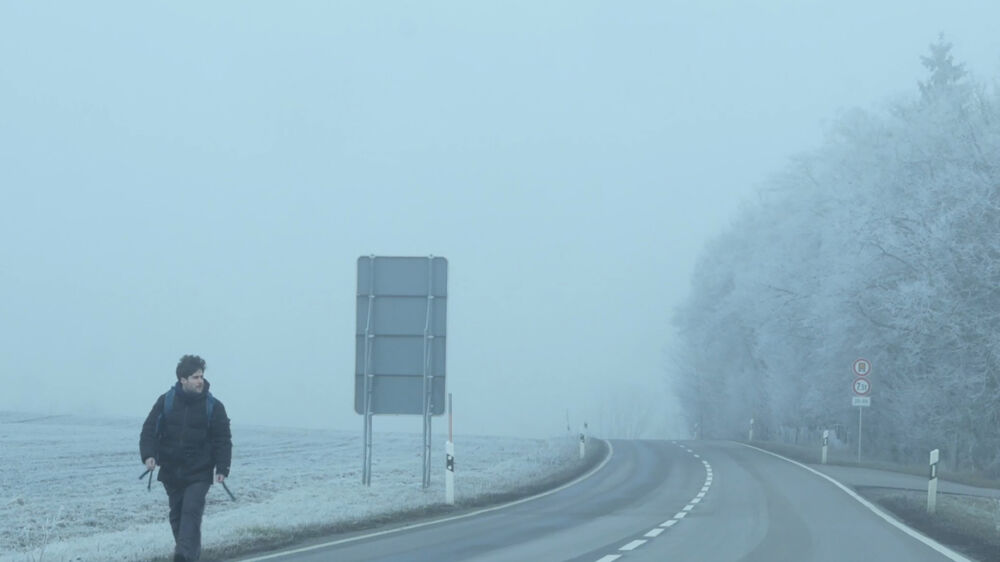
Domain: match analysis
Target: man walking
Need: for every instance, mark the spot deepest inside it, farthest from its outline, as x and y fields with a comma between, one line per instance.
x=187, y=434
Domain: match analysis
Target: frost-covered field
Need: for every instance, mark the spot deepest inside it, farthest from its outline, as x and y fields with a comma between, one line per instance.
x=69, y=487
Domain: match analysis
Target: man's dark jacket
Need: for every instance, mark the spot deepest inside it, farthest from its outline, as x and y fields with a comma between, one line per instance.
x=188, y=448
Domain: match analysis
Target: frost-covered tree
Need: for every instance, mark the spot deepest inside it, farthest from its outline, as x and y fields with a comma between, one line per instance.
x=884, y=243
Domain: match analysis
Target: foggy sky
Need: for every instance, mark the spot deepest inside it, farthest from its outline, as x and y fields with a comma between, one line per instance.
x=192, y=178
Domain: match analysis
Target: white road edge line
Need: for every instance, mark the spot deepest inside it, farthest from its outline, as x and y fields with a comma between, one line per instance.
x=609, y=558
x=891, y=520
x=654, y=533
x=633, y=545
x=611, y=453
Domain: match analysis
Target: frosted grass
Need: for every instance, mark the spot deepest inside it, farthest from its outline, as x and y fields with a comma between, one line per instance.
x=69, y=488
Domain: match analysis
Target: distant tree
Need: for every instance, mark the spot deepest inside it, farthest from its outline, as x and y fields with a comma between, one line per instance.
x=945, y=74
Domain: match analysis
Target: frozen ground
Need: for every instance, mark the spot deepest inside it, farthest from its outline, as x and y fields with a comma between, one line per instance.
x=69, y=487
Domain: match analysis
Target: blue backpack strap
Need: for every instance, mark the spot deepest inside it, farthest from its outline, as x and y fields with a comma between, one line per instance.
x=168, y=400
x=168, y=406
x=209, y=407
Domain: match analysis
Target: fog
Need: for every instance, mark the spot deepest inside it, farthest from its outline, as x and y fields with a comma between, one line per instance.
x=191, y=178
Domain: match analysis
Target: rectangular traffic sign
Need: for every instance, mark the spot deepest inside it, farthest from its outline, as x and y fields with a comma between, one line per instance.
x=863, y=401
x=402, y=306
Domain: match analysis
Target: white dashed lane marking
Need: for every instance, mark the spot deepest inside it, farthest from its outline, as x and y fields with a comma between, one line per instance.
x=653, y=533
x=633, y=545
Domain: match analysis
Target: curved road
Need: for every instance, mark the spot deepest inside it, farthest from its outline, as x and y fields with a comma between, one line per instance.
x=659, y=501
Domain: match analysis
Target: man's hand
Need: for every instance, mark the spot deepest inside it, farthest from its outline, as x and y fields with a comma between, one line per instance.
x=220, y=478
x=150, y=463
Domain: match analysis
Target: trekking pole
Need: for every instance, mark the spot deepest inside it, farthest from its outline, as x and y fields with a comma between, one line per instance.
x=227, y=491
x=149, y=486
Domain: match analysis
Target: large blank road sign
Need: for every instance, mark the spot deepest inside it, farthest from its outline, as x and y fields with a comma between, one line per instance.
x=401, y=314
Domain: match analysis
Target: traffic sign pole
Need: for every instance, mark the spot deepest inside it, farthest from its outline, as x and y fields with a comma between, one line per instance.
x=862, y=388
x=859, y=433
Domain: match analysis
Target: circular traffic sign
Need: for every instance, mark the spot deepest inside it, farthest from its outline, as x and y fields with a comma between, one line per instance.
x=862, y=387
x=862, y=367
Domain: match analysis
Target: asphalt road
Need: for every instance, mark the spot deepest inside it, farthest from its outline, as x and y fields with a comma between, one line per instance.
x=660, y=501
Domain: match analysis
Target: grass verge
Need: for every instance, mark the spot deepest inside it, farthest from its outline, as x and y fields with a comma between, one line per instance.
x=968, y=524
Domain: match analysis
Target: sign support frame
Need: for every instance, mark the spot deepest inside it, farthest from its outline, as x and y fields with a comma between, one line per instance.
x=398, y=339
x=366, y=470
x=428, y=373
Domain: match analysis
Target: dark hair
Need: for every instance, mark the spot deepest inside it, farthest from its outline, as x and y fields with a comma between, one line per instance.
x=188, y=365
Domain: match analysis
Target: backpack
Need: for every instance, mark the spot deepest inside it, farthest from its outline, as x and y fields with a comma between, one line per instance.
x=168, y=406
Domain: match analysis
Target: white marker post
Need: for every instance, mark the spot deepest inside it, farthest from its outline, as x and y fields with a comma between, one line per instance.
x=826, y=439
x=583, y=445
x=449, y=461
x=751, y=430
x=932, y=483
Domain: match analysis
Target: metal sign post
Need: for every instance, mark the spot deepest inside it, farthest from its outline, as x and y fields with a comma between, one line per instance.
x=428, y=376
x=859, y=433
x=400, y=345
x=369, y=335
x=862, y=388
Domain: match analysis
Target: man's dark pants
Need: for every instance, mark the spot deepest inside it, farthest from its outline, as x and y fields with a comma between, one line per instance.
x=187, y=505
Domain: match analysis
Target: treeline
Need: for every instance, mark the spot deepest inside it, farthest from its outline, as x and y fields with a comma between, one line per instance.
x=882, y=244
